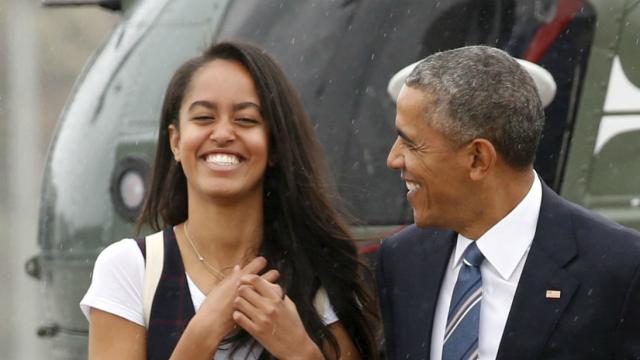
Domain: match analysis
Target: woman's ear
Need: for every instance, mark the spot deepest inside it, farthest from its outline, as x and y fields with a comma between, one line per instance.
x=484, y=158
x=174, y=141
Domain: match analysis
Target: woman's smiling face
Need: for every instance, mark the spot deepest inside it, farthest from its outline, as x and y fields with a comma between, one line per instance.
x=222, y=139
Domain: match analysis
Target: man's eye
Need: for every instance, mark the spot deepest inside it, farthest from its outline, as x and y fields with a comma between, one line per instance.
x=409, y=145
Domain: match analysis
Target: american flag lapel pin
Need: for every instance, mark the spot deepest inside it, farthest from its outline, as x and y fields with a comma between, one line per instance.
x=553, y=294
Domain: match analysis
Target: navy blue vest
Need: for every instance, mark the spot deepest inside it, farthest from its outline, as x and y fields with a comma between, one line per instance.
x=172, y=306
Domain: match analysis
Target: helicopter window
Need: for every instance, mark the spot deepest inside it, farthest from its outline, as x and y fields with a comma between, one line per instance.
x=341, y=63
x=555, y=34
x=129, y=186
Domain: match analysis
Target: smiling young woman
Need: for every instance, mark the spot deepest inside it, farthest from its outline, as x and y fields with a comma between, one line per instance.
x=221, y=140
x=258, y=263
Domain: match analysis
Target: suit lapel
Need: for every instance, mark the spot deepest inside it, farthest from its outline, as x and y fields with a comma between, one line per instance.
x=436, y=251
x=534, y=314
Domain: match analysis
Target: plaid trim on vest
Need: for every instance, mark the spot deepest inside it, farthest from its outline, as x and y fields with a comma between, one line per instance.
x=172, y=306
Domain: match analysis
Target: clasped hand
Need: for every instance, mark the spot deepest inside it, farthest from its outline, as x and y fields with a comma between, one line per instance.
x=258, y=305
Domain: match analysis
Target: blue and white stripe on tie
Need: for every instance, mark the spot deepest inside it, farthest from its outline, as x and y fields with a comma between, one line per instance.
x=461, y=333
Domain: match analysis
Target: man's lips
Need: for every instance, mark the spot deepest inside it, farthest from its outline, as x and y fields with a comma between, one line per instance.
x=411, y=184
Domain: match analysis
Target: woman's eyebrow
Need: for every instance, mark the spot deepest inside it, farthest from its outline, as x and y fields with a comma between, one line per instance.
x=207, y=104
x=212, y=106
x=246, y=104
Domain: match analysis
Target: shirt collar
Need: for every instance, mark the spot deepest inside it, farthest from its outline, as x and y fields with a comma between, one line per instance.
x=504, y=244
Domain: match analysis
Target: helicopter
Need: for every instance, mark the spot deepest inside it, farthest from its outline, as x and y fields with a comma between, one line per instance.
x=341, y=56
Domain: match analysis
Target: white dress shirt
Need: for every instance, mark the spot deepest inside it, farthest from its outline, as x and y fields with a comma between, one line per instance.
x=505, y=247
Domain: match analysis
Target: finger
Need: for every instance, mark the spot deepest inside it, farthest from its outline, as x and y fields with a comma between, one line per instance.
x=247, y=308
x=271, y=276
x=255, y=265
x=244, y=322
x=249, y=294
x=235, y=274
x=261, y=317
x=262, y=286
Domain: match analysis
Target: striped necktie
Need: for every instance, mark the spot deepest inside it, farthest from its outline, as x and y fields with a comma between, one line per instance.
x=461, y=334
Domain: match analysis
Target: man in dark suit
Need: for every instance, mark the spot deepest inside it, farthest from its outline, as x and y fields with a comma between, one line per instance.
x=497, y=265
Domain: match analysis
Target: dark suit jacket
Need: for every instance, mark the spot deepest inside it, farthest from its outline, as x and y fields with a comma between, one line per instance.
x=594, y=262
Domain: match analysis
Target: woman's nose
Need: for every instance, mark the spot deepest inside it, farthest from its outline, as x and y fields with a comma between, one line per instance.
x=222, y=132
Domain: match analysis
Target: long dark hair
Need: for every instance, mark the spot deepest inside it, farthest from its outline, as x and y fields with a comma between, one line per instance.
x=305, y=237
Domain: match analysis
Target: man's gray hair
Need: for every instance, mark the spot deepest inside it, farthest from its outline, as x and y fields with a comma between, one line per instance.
x=482, y=92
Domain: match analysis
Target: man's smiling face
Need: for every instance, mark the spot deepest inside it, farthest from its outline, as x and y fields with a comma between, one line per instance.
x=434, y=170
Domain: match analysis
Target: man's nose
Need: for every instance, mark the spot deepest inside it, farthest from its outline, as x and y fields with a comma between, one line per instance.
x=395, y=160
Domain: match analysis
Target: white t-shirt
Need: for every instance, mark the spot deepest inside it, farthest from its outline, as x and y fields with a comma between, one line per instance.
x=117, y=282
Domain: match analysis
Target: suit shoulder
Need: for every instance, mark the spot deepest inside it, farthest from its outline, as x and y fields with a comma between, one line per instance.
x=603, y=236
x=588, y=223
x=411, y=236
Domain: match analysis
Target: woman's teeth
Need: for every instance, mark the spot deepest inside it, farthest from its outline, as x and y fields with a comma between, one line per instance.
x=223, y=159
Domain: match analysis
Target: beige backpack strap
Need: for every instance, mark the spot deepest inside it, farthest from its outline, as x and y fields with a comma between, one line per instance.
x=154, y=245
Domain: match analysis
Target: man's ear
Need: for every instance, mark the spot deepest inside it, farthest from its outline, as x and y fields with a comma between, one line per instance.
x=483, y=158
x=174, y=141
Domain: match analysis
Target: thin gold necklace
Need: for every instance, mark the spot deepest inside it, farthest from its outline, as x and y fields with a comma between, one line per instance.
x=210, y=268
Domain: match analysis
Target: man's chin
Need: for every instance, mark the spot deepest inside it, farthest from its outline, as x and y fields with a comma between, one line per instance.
x=420, y=221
